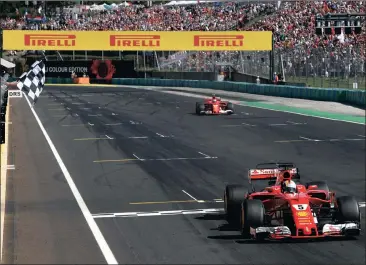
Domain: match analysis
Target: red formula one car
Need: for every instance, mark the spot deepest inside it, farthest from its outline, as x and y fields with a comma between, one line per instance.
x=214, y=105
x=286, y=209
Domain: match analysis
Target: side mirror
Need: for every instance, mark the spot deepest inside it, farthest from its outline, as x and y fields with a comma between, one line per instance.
x=313, y=187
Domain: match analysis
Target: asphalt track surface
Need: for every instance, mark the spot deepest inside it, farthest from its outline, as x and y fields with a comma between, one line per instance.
x=131, y=151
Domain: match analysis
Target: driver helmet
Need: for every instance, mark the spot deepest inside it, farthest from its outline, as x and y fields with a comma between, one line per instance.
x=289, y=187
x=214, y=98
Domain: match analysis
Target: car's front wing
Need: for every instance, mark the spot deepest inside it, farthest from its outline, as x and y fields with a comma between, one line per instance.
x=329, y=230
x=209, y=112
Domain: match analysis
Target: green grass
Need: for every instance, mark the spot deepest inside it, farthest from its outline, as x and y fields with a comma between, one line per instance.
x=323, y=82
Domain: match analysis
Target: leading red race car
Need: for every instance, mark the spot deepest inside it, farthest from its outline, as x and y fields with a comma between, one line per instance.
x=285, y=209
x=214, y=105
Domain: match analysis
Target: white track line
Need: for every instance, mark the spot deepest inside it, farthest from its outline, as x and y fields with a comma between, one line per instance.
x=138, y=157
x=296, y=123
x=137, y=137
x=277, y=124
x=290, y=141
x=157, y=213
x=163, y=136
x=90, y=124
x=247, y=124
x=361, y=135
x=103, y=245
x=200, y=201
x=311, y=140
x=113, y=124
x=180, y=158
x=301, y=114
x=207, y=156
x=231, y=126
x=109, y=137
x=308, y=139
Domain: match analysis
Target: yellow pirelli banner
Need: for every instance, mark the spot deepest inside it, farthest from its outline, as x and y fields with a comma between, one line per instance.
x=137, y=40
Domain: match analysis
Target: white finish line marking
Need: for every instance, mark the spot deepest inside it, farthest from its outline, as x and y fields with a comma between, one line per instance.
x=113, y=124
x=103, y=245
x=204, y=155
x=189, y=195
x=308, y=139
x=296, y=123
x=157, y=213
x=316, y=140
x=289, y=123
x=138, y=157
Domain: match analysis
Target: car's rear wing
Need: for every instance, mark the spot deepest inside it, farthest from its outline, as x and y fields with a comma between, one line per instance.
x=270, y=173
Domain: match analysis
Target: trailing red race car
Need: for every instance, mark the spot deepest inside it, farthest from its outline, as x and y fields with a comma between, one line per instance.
x=285, y=209
x=214, y=105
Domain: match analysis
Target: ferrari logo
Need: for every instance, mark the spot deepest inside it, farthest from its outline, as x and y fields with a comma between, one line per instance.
x=302, y=214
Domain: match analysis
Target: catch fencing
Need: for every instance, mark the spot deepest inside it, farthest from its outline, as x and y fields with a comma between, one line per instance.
x=317, y=67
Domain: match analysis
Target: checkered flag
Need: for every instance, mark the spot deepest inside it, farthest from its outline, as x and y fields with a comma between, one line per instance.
x=33, y=81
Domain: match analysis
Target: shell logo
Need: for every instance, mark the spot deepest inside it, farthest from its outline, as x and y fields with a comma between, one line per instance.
x=302, y=214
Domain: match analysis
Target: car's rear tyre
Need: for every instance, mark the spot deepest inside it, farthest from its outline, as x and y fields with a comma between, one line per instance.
x=199, y=108
x=348, y=210
x=233, y=197
x=252, y=215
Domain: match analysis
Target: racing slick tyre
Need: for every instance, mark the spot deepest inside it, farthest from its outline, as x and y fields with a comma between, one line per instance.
x=252, y=215
x=322, y=185
x=230, y=106
x=199, y=108
x=348, y=209
x=233, y=197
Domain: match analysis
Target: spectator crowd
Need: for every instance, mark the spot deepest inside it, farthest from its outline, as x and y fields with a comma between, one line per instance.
x=293, y=25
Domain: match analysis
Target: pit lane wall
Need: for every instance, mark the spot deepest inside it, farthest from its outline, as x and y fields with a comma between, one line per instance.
x=348, y=96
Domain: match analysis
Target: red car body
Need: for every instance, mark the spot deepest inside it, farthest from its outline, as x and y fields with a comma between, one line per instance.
x=311, y=212
x=214, y=106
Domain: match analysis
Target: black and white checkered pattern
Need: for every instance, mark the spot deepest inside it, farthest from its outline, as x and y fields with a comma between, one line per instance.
x=33, y=81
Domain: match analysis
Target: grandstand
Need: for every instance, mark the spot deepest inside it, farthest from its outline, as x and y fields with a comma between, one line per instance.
x=300, y=55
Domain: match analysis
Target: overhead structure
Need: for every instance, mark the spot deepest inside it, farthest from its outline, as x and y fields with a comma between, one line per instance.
x=337, y=23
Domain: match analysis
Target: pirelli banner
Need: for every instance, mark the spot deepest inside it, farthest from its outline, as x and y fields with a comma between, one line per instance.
x=137, y=40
